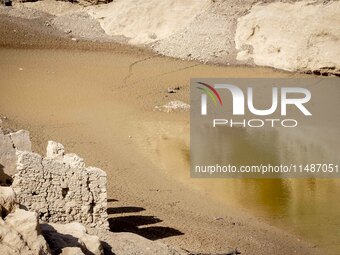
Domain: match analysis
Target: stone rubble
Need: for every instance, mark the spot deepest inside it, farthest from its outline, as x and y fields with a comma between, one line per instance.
x=62, y=193
x=19, y=229
x=21, y=233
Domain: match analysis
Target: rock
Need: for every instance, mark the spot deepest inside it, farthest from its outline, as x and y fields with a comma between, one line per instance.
x=11, y=242
x=61, y=188
x=155, y=20
x=20, y=234
x=7, y=201
x=71, y=251
x=66, y=237
x=27, y=225
x=296, y=36
x=9, y=143
x=132, y=244
x=21, y=140
x=171, y=90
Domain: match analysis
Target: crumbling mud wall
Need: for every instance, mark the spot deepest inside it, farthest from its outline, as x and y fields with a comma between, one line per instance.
x=61, y=188
x=9, y=143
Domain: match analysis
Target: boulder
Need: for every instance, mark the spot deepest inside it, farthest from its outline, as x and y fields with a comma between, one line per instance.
x=71, y=238
x=26, y=223
x=300, y=36
x=19, y=229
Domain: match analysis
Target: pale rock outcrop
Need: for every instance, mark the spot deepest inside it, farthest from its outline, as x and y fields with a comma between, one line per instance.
x=19, y=229
x=301, y=36
x=60, y=188
x=151, y=21
x=285, y=34
x=26, y=224
x=71, y=238
x=9, y=143
x=13, y=243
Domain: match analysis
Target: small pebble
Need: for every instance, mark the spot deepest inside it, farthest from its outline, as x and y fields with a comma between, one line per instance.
x=173, y=90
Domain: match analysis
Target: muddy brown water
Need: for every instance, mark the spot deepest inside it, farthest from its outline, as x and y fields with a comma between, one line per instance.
x=101, y=100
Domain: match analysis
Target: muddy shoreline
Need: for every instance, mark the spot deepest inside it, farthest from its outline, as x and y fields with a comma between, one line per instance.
x=113, y=105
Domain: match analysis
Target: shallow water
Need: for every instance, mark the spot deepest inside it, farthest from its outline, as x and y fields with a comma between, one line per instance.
x=308, y=207
x=60, y=91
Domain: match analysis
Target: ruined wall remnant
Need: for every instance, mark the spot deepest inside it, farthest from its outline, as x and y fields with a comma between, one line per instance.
x=60, y=188
x=9, y=143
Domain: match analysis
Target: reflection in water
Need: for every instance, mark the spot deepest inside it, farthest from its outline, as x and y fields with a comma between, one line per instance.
x=309, y=207
x=308, y=145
